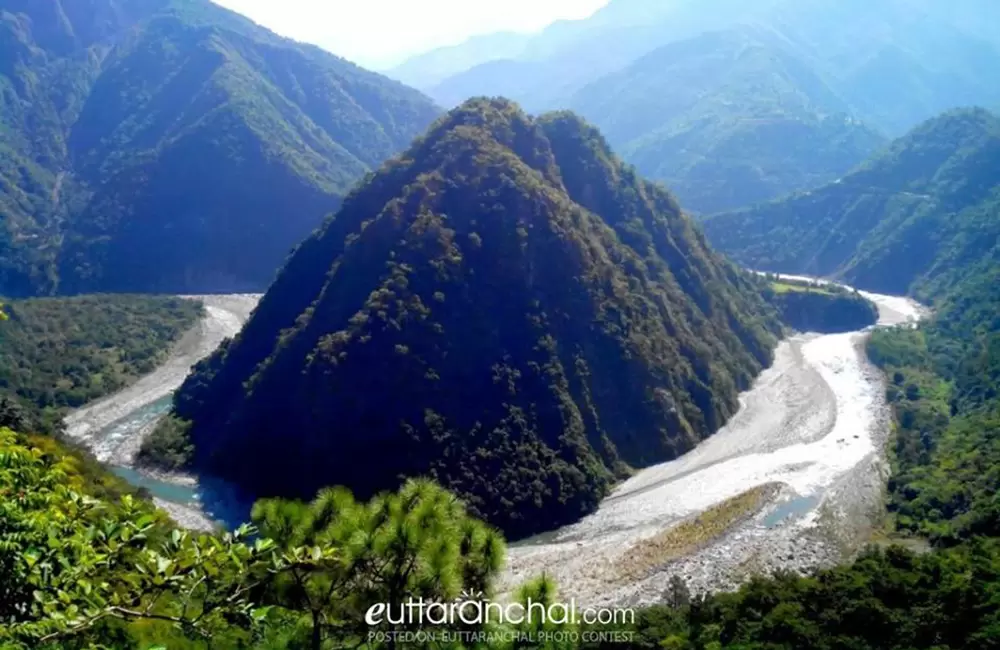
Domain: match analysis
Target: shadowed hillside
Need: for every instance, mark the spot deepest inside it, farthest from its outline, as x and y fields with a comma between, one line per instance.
x=506, y=307
x=174, y=146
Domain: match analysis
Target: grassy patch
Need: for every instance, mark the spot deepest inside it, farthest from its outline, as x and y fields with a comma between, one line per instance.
x=692, y=534
x=790, y=287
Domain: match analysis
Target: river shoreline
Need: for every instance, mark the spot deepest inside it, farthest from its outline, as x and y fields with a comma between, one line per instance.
x=815, y=425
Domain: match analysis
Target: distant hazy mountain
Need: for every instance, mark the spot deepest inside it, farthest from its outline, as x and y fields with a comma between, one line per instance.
x=505, y=308
x=555, y=63
x=888, y=65
x=431, y=68
x=916, y=217
x=940, y=53
x=897, y=62
x=727, y=119
x=428, y=70
x=155, y=145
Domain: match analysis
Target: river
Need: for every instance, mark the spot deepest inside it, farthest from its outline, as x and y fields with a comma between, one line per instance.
x=811, y=434
x=113, y=428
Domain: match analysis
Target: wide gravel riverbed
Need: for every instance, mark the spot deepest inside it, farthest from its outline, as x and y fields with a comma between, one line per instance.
x=801, y=465
x=808, y=444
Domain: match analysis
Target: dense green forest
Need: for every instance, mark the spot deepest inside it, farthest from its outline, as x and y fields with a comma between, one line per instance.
x=945, y=387
x=174, y=146
x=58, y=353
x=518, y=317
x=911, y=219
x=79, y=573
x=506, y=306
x=829, y=309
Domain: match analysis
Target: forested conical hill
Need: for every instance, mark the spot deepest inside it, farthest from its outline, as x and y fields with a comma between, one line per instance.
x=914, y=218
x=172, y=145
x=506, y=308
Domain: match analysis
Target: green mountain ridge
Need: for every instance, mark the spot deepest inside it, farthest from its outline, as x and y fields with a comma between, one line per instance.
x=726, y=119
x=507, y=308
x=174, y=146
x=915, y=218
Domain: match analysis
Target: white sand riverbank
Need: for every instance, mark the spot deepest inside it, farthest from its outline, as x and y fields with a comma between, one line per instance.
x=815, y=423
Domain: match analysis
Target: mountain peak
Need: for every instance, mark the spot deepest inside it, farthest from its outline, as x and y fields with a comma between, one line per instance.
x=507, y=307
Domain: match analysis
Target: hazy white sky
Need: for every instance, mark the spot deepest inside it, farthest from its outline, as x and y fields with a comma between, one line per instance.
x=380, y=33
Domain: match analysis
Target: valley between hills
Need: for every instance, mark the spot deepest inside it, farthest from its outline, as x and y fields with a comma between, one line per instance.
x=688, y=309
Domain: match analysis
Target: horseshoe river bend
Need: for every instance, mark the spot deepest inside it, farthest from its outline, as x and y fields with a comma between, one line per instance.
x=795, y=480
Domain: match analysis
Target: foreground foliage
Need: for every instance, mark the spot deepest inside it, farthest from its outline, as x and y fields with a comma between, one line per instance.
x=69, y=561
x=77, y=569
x=81, y=573
x=417, y=543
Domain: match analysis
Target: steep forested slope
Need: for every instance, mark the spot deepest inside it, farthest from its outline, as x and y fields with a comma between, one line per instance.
x=918, y=215
x=506, y=308
x=173, y=145
x=728, y=119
